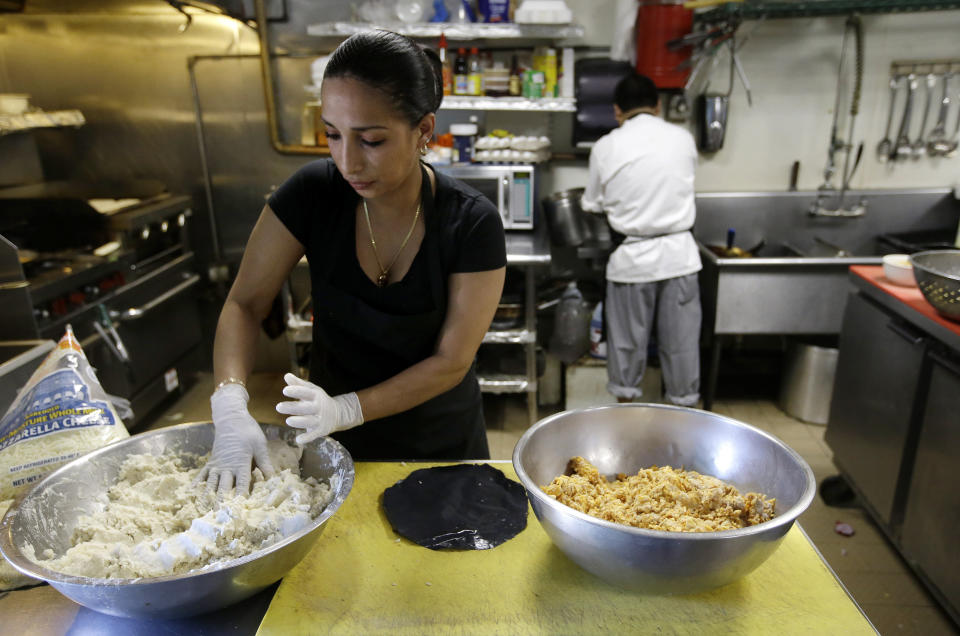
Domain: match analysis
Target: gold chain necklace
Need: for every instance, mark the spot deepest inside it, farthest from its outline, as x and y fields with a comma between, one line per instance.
x=385, y=271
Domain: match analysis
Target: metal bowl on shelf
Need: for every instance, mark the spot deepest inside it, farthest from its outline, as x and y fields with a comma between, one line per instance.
x=627, y=437
x=46, y=516
x=938, y=277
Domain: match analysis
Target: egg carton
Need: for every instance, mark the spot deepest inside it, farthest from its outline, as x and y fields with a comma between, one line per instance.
x=519, y=142
x=510, y=155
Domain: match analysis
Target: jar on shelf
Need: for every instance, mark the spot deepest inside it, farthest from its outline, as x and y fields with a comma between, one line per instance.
x=464, y=136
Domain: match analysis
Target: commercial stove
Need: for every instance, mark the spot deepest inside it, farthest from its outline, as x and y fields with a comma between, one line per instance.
x=113, y=261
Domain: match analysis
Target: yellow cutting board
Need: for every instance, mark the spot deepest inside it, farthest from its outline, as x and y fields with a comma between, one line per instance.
x=361, y=578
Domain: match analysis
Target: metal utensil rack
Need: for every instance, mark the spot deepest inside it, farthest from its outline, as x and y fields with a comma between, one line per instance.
x=940, y=140
x=815, y=8
x=899, y=68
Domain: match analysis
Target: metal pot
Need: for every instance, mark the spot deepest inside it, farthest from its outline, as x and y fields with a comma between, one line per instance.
x=565, y=218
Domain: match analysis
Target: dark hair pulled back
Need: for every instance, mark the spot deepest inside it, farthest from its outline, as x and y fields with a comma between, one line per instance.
x=410, y=75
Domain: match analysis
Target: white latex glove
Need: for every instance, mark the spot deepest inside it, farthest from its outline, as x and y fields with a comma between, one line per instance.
x=316, y=412
x=238, y=441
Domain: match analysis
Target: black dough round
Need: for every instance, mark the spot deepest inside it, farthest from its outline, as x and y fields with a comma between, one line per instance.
x=460, y=507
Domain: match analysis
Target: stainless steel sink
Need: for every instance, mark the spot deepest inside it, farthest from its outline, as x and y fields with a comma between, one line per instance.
x=778, y=291
x=796, y=284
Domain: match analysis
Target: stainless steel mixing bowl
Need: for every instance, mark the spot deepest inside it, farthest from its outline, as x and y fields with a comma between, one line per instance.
x=938, y=277
x=46, y=516
x=624, y=438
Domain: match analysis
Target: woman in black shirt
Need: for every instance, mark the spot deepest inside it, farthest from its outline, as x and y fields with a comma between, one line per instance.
x=406, y=265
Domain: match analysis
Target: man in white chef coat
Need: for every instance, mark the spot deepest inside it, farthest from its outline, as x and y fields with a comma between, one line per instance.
x=641, y=176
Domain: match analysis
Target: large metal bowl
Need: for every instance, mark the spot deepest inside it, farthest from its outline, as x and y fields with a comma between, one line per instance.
x=627, y=437
x=938, y=277
x=46, y=516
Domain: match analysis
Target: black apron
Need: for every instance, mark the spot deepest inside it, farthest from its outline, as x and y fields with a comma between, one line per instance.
x=357, y=345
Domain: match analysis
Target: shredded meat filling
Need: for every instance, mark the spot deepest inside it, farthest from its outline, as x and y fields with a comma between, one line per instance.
x=659, y=498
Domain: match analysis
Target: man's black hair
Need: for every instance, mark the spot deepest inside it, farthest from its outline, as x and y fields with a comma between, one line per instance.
x=635, y=91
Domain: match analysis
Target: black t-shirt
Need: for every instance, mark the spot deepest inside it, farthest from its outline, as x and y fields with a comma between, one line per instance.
x=364, y=334
x=464, y=233
x=471, y=232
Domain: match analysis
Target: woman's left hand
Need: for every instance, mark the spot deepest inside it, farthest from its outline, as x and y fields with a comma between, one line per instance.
x=315, y=411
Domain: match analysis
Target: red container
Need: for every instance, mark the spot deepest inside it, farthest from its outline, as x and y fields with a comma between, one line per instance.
x=658, y=22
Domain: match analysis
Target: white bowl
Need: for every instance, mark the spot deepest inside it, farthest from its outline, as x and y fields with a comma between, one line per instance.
x=898, y=270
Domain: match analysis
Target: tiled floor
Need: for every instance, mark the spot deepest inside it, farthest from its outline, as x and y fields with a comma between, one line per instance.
x=873, y=572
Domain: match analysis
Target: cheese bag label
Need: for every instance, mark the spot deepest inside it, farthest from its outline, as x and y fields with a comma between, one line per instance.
x=61, y=413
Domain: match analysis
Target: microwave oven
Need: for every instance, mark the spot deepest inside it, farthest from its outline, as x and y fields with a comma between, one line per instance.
x=511, y=188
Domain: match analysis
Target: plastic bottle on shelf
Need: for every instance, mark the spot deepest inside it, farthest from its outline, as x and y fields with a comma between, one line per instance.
x=463, y=13
x=494, y=10
x=474, y=73
x=565, y=83
x=550, y=73
x=460, y=86
x=446, y=70
x=515, y=88
x=440, y=12
x=464, y=136
x=545, y=61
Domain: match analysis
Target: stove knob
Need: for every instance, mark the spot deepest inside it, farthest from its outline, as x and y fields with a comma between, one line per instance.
x=145, y=233
x=91, y=291
x=182, y=220
x=164, y=226
x=41, y=314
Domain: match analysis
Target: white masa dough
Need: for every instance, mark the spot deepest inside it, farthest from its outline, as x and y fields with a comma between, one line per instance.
x=156, y=522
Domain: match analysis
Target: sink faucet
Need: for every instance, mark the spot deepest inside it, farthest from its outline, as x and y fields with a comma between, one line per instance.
x=819, y=208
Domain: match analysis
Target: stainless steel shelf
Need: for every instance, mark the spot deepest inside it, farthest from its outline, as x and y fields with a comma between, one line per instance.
x=543, y=104
x=510, y=336
x=504, y=383
x=453, y=31
x=478, y=102
x=40, y=119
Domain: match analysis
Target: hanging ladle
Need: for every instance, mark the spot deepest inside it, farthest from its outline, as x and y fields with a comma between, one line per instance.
x=937, y=143
x=955, y=137
x=920, y=146
x=904, y=147
x=886, y=144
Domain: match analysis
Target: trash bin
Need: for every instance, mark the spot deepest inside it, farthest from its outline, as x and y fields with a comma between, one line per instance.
x=807, y=384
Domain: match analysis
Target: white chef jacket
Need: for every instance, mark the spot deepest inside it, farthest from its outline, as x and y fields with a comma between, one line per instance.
x=641, y=175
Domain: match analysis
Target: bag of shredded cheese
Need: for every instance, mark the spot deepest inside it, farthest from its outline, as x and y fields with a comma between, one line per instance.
x=62, y=412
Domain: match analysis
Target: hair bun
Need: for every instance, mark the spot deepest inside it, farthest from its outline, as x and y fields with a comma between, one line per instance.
x=409, y=74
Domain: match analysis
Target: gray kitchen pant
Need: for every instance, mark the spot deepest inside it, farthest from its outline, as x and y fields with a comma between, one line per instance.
x=631, y=309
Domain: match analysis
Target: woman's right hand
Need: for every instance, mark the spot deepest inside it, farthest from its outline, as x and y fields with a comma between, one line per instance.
x=238, y=442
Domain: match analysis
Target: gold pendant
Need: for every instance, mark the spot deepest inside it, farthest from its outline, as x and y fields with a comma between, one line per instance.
x=382, y=279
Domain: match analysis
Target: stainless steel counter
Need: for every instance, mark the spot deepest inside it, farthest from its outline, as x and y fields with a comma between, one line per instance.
x=527, y=248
